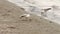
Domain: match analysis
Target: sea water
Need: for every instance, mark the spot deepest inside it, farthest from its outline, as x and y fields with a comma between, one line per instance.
x=41, y=8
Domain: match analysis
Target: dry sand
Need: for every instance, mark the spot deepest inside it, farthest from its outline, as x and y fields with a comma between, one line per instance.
x=11, y=21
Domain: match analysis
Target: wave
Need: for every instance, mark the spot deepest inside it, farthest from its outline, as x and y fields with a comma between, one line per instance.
x=47, y=9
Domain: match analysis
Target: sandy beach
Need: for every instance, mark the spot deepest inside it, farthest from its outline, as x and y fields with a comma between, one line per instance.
x=11, y=21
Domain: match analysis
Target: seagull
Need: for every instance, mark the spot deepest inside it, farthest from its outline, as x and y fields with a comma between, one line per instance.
x=25, y=15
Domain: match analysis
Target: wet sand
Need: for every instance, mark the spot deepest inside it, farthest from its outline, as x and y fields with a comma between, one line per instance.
x=11, y=21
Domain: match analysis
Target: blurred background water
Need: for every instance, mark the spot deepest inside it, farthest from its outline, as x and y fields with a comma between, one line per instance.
x=48, y=9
